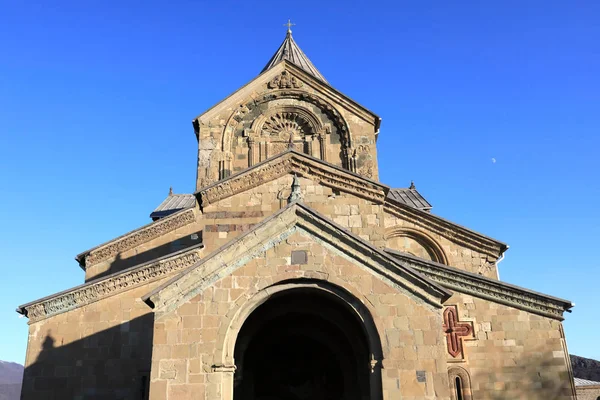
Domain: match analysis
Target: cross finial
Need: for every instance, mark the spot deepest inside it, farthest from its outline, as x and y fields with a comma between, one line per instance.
x=289, y=26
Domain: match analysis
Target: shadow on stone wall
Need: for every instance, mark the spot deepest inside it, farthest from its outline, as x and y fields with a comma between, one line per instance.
x=119, y=263
x=536, y=377
x=111, y=364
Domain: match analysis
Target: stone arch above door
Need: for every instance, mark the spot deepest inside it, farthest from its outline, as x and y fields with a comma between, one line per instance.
x=228, y=340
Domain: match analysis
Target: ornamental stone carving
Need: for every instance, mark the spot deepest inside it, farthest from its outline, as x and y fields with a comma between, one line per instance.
x=285, y=81
x=140, y=236
x=90, y=293
x=455, y=331
x=285, y=125
x=303, y=166
x=492, y=290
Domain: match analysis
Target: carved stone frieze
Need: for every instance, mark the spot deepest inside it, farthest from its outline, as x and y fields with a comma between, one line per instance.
x=292, y=162
x=112, y=285
x=238, y=115
x=493, y=290
x=285, y=81
x=140, y=236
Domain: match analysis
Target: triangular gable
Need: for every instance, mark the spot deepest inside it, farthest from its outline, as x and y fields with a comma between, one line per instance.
x=274, y=230
x=328, y=92
x=301, y=164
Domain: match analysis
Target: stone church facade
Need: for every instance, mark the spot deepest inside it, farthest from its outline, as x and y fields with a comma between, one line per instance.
x=294, y=273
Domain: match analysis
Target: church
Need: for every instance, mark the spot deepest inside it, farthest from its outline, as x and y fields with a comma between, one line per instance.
x=293, y=273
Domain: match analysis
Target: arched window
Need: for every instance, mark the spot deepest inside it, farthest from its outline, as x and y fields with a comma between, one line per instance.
x=460, y=383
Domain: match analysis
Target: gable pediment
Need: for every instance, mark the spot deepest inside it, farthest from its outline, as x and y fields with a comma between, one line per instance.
x=293, y=162
x=297, y=78
x=296, y=218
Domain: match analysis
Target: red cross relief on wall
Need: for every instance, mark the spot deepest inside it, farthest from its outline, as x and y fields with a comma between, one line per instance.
x=454, y=330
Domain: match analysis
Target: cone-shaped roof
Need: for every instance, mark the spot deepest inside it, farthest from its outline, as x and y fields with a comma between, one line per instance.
x=290, y=51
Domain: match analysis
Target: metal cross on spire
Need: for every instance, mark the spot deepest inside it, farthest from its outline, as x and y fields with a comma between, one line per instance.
x=289, y=26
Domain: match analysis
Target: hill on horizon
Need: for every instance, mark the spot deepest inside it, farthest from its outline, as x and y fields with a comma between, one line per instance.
x=585, y=368
x=11, y=377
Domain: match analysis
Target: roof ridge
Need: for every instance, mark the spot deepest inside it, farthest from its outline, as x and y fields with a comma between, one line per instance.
x=289, y=50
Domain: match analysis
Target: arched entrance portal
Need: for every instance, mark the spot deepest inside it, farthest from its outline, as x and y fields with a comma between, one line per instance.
x=302, y=344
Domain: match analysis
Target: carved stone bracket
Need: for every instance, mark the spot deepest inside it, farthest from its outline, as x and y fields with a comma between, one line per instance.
x=110, y=286
x=224, y=368
x=140, y=236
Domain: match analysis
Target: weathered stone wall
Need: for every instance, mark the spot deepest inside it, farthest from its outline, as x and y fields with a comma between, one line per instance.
x=235, y=215
x=228, y=140
x=155, y=240
x=515, y=354
x=457, y=255
x=98, y=351
x=588, y=392
x=191, y=344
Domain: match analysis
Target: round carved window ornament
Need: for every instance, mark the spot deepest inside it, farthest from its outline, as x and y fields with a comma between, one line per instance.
x=283, y=124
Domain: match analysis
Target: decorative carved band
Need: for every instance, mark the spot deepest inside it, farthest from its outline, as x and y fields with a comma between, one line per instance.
x=291, y=162
x=492, y=290
x=140, y=236
x=92, y=292
x=446, y=229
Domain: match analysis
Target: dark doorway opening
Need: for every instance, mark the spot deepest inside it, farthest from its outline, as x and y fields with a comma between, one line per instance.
x=302, y=344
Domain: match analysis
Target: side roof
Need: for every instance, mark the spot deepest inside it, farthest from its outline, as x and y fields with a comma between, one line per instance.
x=411, y=197
x=172, y=204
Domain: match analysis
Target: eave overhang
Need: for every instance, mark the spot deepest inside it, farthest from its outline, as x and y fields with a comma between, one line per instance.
x=134, y=238
x=448, y=229
x=292, y=161
x=487, y=288
x=110, y=285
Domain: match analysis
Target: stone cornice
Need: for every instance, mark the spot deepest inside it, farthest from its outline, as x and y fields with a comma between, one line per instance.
x=293, y=162
x=486, y=288
x=135, y=238
x=275, y=229
x=113, y=284
x=447, y=229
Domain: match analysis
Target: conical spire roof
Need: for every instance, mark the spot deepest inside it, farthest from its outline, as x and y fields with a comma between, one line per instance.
x=290, y=51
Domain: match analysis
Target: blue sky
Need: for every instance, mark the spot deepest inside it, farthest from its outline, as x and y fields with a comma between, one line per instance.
x=97, y=98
